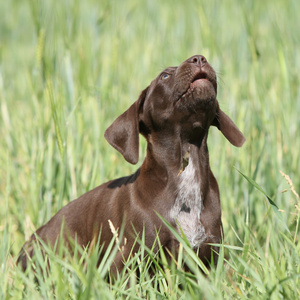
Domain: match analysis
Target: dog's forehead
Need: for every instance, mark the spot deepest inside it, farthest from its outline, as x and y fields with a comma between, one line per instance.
x=168, y=70
x=155, y=81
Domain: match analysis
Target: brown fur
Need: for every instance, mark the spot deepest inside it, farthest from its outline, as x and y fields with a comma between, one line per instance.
x=174, y=114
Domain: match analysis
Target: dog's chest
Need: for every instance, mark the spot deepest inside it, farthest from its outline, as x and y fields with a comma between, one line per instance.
x=188, y=205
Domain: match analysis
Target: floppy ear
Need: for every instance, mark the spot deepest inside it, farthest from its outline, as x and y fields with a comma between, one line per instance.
x=228, y=128
x=123, y=133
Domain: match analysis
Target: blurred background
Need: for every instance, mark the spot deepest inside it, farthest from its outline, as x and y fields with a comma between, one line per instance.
x=69, y=68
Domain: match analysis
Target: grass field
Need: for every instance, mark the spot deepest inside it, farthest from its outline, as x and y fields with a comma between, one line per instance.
x=69, y=68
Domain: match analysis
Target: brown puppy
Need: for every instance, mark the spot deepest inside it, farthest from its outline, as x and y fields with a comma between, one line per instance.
x=174, y=114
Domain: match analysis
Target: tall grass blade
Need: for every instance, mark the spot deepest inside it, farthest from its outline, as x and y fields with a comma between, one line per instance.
x=56, y=115
x=272, y=203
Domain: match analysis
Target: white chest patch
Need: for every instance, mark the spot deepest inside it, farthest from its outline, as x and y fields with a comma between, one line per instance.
x=188, y=206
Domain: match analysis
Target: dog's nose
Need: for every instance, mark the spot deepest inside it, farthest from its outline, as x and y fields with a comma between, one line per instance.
x=197, y=60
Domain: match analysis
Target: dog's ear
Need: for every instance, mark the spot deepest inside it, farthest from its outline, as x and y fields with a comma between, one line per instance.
x=228, y=128
x=123, y=133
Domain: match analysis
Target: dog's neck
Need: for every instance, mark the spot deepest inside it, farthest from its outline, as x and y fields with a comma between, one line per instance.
x=180, y=168
x=167, y=158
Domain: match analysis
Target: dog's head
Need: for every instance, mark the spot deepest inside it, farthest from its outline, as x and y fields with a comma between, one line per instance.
x=180, y=101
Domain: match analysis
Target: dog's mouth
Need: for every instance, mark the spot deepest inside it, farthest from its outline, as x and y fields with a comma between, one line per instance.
x=196, y=81
x=197, y=78
x=200, y=75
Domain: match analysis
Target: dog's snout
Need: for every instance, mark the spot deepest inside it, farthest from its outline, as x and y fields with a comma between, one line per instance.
x=197, y=60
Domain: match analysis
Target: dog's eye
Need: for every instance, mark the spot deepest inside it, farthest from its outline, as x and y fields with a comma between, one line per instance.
x=165, y=76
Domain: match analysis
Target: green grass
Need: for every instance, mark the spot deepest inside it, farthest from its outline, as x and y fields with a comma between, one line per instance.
x=69, y=68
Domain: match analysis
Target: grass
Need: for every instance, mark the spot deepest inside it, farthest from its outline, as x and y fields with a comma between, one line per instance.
x=69, y=68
